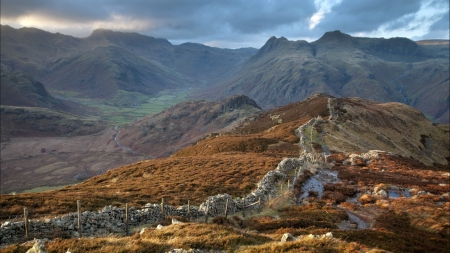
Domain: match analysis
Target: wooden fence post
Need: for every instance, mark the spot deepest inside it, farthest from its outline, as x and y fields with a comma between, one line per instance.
x=288, y=185
x=226, y=209
x=189, y=211
x=162, y=209
x=25, y=217
x=207, y=209
x=243, y=207
x=126, y=219
x=79, y=217
x=259, y=203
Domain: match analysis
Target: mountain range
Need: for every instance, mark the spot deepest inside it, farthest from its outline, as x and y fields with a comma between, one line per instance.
x=107, y=65
x=384, y=70
x=341, y=141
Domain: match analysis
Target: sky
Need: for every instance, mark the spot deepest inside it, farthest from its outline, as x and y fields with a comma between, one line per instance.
x=234, y=23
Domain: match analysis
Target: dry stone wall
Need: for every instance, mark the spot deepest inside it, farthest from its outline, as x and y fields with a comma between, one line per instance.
x=112, y=219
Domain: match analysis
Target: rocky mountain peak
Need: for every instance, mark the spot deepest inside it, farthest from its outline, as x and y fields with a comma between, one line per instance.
x=237, y=101
x=334, y=36
x=274, y=43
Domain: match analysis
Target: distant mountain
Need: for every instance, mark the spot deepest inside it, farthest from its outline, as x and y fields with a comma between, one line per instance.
x=104, y=62
x=101, y=72
x=107, y=65
x=162, y=134
x=440, y=47
x=338, y=64
x=28, y=110
x=20, y=89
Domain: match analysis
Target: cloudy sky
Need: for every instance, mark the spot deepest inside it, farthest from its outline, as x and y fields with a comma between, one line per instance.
x=234, y=23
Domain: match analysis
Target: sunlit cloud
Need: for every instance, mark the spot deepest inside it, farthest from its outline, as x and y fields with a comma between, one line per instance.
x=418, y=23
x=323, y=7
x=115, y=22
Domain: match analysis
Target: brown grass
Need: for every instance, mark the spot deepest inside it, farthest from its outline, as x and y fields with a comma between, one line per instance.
x=395, y=170
x=175, y=179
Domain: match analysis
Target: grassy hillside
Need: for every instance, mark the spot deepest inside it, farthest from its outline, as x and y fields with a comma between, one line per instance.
x=234, y=163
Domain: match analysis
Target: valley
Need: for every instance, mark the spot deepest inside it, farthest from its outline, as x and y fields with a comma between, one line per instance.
x=336, y=145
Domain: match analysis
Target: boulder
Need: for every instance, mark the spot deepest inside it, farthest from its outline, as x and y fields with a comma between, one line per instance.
x=38, y=247
x=175, y=221
x=287, y=237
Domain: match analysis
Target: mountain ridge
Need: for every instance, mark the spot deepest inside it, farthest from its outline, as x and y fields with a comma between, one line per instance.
x=285, y=71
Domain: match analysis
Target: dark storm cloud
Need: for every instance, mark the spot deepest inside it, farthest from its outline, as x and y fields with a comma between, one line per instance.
x=248, y=17
x=228, y=23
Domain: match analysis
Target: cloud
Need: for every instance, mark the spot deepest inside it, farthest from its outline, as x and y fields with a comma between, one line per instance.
x=417, y=23
x=323, y=7
x=232, y=23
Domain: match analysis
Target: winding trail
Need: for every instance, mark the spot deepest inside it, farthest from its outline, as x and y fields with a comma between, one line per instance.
x=120, y=145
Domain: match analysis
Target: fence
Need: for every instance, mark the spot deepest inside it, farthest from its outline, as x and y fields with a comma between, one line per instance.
x=108, y=220
x=119, y=220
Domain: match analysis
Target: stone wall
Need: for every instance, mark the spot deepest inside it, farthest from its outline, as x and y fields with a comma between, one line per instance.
x=112, y=219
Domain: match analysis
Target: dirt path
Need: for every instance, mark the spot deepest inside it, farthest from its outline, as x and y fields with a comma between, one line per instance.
x=120, y=145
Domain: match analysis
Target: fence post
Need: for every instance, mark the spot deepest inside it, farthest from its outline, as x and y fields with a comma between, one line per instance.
x=25, y=217
x=243, y=207
x=207, y=209
x=281, y=190
x=259, y=203
x=226, y=209
x=126, y=219
x=288, y=185
x=162, y=209
x=189, y=211
x=79, y=217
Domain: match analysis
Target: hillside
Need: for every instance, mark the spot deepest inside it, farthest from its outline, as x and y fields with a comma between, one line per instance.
x=39, y=122
x=102, y=72
x=20, y=89
x=384, y=70
x=391, y=200
x=119, y=67
x=162, y=134
x=28, y=110
x=107, y=62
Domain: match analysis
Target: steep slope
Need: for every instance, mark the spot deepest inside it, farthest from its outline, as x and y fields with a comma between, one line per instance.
x=162, y=134
x=196, y=61
x=338, y=64
x=101, y=72
x=359, y=125
x=32, y=50
x=28, y=110
x=395, y=196
x=20, y=89
x=235, y=161
x=110, y=61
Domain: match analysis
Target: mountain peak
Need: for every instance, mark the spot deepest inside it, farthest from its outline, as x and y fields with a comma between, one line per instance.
x=335, y=36
x=237, y=101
